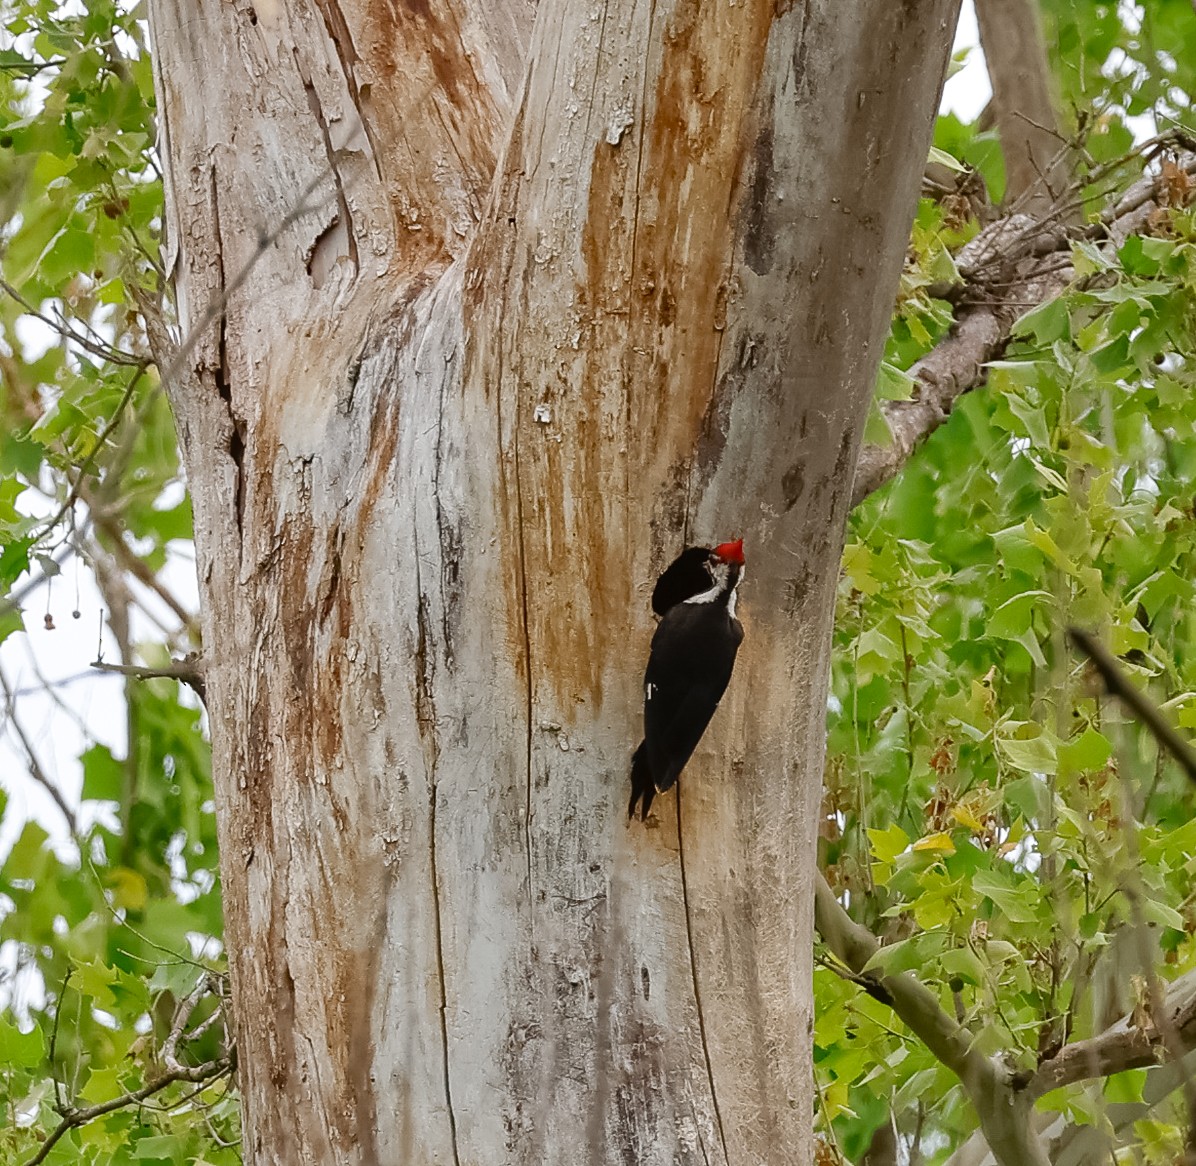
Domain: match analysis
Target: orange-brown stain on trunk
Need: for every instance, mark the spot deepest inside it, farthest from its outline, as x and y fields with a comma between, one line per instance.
x=695, y=135
x=654, y=296
x=415, y=54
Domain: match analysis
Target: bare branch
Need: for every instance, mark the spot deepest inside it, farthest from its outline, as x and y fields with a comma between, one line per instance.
x=135, y=566
x=1138, y=704
x=1036, y=168
x=59, y=1100
x=1125, y=1045
x=31, y=759
x=182, y=1014
x=101, y=351
x=189, y=670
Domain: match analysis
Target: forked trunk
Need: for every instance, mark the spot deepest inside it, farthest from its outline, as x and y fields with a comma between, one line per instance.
x=553, y=294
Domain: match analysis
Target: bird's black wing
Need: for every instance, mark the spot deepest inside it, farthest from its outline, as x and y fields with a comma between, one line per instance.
x=685, y=679
x=671, y=739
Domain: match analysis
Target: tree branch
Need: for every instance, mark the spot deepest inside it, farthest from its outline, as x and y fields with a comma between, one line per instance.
x=1002, y=1105
x=1128, y=1044
x=72, y=1118
x=1125, y=1045
x=35, y=768
x=1017, y=262
x=189, y=670
x=1076, y=1145
x=911, y=1000
x=1035, y=153
x=1139, y=706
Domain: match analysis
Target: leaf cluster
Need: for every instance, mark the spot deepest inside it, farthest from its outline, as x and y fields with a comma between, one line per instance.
x=108, y=932
x=1013, y=837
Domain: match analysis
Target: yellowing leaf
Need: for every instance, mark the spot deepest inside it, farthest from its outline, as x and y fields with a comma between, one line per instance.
x=937, y=842
x=857, y=566
x=888, y=843
x=128, y=889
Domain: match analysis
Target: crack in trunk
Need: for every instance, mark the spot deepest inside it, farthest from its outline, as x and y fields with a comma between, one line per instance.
x=223, y=382
x=342, y=203
x=448, y=1086
x=426, y=716
x=693, y=968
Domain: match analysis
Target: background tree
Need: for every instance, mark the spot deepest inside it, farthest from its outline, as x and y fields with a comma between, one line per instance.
x=428, y=509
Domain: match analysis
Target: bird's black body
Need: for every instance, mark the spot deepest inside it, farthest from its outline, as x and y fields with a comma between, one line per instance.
x=689, y=666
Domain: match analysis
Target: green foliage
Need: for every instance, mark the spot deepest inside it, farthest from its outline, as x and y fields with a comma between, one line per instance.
x=1115, y=63
x=80, y=210
x=1005, y=827
x=111, y=931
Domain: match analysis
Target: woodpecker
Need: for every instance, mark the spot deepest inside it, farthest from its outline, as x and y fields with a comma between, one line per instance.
x=689, y=665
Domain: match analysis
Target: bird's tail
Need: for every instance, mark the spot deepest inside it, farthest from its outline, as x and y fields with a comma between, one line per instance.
x=643, y=788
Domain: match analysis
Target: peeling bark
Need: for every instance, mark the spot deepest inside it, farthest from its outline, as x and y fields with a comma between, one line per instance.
x=441, y=438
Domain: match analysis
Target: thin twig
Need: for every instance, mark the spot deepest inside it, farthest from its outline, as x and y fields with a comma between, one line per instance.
x=182, y=1014
x=73, y=494
x=189, y=671
x=1140, y=706
x=134, y=565
x=209, y=1071
x=60, y=1101
x=35, y=768
x=104, y=352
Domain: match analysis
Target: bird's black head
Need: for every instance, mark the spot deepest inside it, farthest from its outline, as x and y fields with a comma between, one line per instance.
x=696, y=570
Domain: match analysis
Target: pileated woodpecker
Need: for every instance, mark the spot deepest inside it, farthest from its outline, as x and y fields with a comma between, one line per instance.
x=693, y=652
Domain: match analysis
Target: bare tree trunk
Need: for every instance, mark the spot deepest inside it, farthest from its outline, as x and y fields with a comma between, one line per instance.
x=464, y=406
x=1037, y=165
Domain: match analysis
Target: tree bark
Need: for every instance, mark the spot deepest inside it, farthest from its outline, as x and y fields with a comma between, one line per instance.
x=1037, y=162
x=539, y=302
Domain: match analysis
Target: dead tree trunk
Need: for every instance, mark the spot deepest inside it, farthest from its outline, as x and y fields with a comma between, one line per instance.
x=533, y=297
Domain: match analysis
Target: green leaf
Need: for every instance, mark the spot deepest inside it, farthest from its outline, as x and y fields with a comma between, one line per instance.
x=1013, y=901
x=24, y=1049
x=104, y=778
x=907, y=954
x=1125, y=1088
x=945, y=159
x=1162, y=914
x=1089, y=751
x=70, y=252
x=1033, y=417
x=964, y=963
x=892, y=384
x=889, y=843
x=95, y=980
x=163, y=1148
x=10, y=620
x=14, y=560
x=1047, y=323
x=1033, y=750
x=28, y=858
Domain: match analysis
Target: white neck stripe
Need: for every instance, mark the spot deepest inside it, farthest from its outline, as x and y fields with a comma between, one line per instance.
x=719, y=588
x=706, y=596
